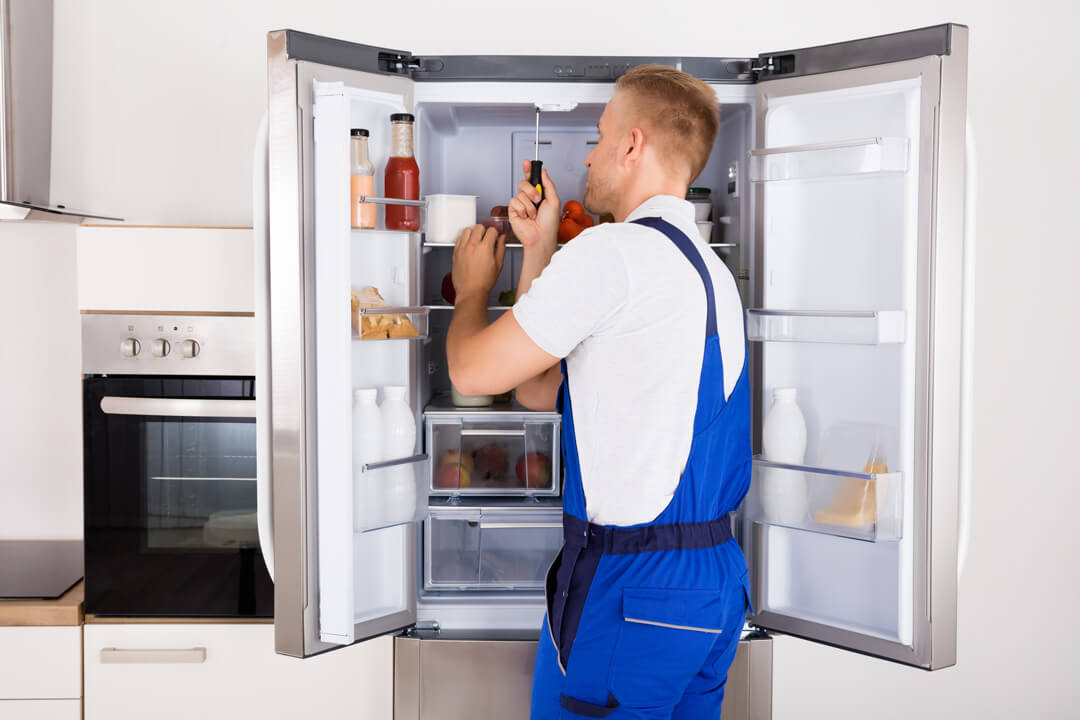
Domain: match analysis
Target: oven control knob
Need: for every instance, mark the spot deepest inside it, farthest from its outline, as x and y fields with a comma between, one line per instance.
x=191, y=348
x=160, y=347
x=130, y=347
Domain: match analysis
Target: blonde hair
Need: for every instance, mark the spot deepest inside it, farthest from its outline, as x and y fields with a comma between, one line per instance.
x=682, y=110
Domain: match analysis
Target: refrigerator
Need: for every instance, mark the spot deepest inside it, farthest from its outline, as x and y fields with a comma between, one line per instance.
x=838, y=201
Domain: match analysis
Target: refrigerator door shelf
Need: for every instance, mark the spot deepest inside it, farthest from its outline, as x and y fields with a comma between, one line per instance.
x=490, y=549
x=390, y=323
x=875, y=327
x=866, y=156
x=858, y=505
x=501, y=455
x=389, y=493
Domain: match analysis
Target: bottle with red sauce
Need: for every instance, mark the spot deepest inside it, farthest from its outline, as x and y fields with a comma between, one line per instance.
x=402, y=175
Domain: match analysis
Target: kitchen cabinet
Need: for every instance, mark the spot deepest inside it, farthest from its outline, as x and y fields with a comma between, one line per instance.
x=166, y=269
x=228, y=670
x=40, y=673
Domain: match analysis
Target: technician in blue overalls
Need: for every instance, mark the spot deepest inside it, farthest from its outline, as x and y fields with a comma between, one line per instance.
x=634, y=332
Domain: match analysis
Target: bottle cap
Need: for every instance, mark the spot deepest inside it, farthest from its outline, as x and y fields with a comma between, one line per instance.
x=784, y=394
x=358, y=132
x=394, y=391
x=402, y=117
x=364, y=396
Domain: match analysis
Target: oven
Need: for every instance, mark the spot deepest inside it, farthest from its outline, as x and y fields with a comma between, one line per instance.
x=170, y=522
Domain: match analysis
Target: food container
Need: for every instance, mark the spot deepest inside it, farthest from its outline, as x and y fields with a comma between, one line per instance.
x=501, y=225
x=701, y=197
x=705, y=228
x=448, y=215
x=460, y=400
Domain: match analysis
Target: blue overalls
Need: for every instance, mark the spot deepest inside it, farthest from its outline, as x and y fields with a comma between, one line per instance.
x=643, y=621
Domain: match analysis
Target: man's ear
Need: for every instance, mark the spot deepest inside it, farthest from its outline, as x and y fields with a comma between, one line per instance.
x=637, y=145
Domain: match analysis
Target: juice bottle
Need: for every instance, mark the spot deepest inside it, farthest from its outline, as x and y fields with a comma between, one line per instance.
x=361, y=180
x=402, y=175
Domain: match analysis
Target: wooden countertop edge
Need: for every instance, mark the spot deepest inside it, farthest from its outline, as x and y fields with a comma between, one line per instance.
x=94, y=620
x=66, y=610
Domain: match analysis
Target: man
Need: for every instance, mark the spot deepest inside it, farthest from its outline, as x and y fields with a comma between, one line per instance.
x=634, y=332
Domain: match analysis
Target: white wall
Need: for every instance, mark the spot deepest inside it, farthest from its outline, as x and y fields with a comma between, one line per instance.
x=40, y=404
x=157, y=103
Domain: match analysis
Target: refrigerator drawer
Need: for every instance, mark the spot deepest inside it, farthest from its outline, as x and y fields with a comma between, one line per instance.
x=490, y=549
x=495, y=454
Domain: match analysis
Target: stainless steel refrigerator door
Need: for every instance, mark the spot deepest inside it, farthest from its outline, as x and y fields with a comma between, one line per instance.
x=293, y=269
x=858, y=257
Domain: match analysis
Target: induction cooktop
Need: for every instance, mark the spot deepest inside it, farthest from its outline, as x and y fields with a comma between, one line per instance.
x=39, y=568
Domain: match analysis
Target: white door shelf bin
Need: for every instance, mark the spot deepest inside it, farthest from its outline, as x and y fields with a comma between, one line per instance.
x=392, y=492
x=875, y=327
x=390, y=323
x=493, y=453
x=864, y=156
x=470, y=549
x=859, y=505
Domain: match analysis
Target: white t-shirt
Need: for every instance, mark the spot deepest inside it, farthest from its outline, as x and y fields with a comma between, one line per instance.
x=627, y=311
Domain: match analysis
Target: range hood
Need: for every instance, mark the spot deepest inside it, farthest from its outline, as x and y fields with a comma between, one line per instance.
x=26, y=45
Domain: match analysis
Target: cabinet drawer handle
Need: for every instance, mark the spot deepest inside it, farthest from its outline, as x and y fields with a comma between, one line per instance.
x=493, y=432
x=153, y=656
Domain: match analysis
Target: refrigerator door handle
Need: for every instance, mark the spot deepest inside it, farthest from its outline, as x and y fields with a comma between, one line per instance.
x=261, y=240
x=967, y=351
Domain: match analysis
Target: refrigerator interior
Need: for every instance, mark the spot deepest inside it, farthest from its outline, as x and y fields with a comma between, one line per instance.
x=838, y=323
x=480, y=557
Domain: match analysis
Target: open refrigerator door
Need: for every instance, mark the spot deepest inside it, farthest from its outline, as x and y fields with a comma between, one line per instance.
x=850, y=534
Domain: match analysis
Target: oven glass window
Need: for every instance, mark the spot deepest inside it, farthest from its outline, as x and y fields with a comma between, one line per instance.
x=200, y=483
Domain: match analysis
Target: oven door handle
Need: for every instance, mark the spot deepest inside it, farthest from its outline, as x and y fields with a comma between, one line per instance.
x=177, y=407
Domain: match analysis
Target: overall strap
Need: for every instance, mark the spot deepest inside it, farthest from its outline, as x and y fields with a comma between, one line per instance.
x=686, y=247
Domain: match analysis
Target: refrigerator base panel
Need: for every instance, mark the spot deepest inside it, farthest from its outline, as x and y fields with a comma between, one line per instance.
x=428, y=677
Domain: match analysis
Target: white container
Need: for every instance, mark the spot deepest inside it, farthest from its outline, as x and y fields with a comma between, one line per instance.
x=460, y=400
x=448, y=215
x=783, y=440
x=368, y=447
x=399, y=481
x=705, y=228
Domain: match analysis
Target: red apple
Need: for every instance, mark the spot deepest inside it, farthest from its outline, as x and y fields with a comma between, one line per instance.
x=448, y=292
x=448, y=476
x=534, y=470
x=491, y=461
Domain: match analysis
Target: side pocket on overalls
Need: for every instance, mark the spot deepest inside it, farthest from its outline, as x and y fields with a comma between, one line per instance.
x=664, y=641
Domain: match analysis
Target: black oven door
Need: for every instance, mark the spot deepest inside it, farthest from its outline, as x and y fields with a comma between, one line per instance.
x=169, y=498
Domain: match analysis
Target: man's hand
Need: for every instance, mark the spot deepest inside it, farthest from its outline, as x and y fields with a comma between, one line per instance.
x=536, y=228
x=478, y=260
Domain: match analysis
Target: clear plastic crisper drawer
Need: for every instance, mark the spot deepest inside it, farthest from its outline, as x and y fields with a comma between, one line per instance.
x=490, y=549
x=863, y=506
x=864, y=156
x=494, y=454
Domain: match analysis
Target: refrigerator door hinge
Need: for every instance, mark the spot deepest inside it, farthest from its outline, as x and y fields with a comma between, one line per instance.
x=769, y=66
x=402, y=64
x=409, y=65
x=422, y=626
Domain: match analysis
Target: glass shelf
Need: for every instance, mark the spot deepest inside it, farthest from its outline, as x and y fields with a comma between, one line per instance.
x=390, y=323
x=858, y=505
x=451, y=307
x=865, y=156
x=874, y=327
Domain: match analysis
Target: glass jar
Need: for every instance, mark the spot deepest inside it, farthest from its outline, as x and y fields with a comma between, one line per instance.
x=402, y=179
x=361, y=179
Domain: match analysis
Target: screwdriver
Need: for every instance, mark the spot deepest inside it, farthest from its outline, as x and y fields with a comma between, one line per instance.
x=536, y=164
